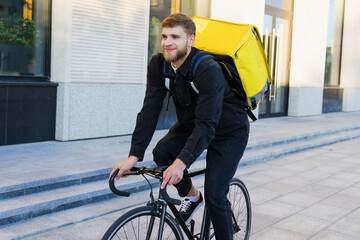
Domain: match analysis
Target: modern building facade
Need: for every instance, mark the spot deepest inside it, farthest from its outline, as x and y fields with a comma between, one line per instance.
x=76, y=69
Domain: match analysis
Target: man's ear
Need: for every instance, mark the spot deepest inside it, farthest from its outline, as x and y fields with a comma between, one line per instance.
x=191, y=40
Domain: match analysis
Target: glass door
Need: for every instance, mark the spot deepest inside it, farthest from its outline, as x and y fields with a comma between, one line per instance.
x=277, y=42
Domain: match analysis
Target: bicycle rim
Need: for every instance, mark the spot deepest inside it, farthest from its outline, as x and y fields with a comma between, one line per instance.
x=143, y=223
x=241, y=207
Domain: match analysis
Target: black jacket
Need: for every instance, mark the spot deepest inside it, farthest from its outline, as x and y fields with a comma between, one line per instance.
x=214, y=112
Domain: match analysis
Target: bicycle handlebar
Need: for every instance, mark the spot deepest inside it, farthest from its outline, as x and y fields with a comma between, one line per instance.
x=155, y=172
x=133, y=171
x=114, y=189
x=167, y=198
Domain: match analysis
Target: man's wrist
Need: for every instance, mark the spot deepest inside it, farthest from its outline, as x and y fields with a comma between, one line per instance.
x=180, y=163
x=134, y=159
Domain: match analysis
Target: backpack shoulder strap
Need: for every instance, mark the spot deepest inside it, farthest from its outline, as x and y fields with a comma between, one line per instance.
x=166, y=75
x=195, y=61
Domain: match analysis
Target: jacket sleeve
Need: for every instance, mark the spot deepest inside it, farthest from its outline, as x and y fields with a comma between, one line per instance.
x=148, y=117
x=210, y=83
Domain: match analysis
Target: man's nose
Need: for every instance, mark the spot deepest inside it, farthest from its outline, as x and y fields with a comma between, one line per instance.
x=167, y=42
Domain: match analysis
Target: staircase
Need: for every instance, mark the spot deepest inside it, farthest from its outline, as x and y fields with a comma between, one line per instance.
x=22, y=202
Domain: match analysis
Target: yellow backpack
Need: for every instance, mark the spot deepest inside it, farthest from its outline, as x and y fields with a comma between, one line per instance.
x=239, y=51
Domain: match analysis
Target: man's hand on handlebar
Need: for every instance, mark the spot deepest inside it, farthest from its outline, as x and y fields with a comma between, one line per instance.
x=125, y=166
x=174, y=173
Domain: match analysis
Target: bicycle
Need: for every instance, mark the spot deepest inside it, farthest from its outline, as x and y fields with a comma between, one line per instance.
x=153, y=221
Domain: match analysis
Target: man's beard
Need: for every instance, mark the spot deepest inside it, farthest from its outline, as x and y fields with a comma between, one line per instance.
x=179, y=55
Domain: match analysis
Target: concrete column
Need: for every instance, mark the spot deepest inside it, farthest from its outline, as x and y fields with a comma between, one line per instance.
x=350, y=62
x=308, y=57
x=61, y=62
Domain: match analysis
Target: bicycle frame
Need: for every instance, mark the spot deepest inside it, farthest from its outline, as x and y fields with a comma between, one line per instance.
x=165, y=200
x=205, y=225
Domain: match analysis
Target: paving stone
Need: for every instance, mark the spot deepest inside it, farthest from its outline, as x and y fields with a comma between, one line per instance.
x=348, y=176
x=325, y=212
x=335, y=183
x=318, y=190
x=353, y=191
x=259, y=196
x=297, y=181
x=343, y=201
x=332, y=235
x=277, y=209
x=279, y=188
x=278, y=234
x=262, y=221
x=314, y=175
x=301, y=224
x=299, y=199
x=349, y=224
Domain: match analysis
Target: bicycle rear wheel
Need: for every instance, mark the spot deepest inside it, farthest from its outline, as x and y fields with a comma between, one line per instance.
x=241, y=207
x=143, y=223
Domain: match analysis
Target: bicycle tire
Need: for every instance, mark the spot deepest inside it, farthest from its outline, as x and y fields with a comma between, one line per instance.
x=241, y=206
x=135, y=225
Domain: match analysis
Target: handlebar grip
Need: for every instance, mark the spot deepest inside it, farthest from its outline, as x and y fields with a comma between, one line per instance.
x=114, y=189
x=168, y=199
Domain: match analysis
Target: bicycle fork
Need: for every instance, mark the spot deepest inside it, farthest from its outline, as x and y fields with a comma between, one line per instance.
x=161, y=206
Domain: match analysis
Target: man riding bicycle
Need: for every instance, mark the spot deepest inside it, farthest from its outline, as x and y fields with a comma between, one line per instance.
x=211, y=119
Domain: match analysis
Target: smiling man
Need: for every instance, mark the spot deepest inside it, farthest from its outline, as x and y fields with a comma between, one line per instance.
x=211, y=119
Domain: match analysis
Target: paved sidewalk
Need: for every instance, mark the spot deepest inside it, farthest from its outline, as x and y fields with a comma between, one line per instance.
x=309, y=195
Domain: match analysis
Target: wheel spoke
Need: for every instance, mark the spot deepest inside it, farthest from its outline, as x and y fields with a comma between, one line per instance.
x=238, y=198
x=134, y=225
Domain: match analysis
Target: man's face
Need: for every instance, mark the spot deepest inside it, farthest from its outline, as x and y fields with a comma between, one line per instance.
x=176, y=44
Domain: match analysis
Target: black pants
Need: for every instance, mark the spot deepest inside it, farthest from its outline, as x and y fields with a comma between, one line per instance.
x=222, y=159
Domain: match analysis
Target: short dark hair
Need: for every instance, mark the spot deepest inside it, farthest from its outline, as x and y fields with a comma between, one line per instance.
x=180, y=19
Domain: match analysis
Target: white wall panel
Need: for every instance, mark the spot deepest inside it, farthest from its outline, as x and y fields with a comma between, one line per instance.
x=109, y=41
x=239, y=11
x=350, y=70
x=309, y=43
x=308, y=57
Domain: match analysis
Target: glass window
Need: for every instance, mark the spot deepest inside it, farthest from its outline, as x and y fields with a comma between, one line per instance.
x=281, y=4
x=24, y=37
x=160, y=9
x=334, y=42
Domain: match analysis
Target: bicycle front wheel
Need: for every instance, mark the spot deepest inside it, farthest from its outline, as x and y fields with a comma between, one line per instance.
x=241, y=210
x=241, y=207
x=143, y=223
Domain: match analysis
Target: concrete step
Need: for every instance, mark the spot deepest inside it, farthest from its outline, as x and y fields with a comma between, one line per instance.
x=26, y=201
x=105, y=213
x=86, y=177
x=280, y=148
x=58, y=182
x=34, y=205
x=300, y=138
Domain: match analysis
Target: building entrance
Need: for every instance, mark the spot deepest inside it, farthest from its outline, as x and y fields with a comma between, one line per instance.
x=277, y=45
